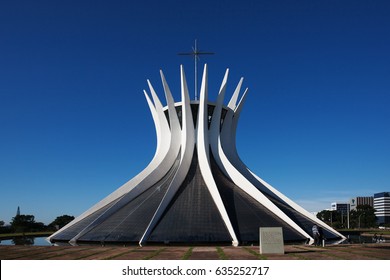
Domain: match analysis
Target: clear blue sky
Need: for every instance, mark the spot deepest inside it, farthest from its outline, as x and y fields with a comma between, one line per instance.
x=74, y=124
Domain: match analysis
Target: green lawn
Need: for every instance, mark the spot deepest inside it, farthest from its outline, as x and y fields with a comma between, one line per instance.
x=366, y=231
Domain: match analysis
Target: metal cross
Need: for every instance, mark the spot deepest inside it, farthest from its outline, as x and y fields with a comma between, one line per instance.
x=196, y=53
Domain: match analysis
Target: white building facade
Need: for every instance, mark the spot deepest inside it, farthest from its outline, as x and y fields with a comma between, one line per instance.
x=361, y=200
x=196, y=189
x=382, y=208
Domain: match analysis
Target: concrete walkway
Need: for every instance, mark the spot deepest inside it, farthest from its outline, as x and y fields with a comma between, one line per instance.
x=377, y=251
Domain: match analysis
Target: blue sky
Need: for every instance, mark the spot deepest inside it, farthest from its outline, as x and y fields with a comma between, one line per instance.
x=74, y=124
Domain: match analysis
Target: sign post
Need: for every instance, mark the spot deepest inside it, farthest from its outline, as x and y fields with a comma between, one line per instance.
x=271, y=240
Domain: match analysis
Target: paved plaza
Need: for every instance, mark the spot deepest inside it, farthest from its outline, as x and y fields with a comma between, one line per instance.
x=376, y=251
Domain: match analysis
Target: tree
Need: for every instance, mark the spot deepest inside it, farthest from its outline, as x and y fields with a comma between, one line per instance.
x=3, y=228
x=22, y=223
x=61, y=221
x=331, y=218
x=324, y=216
x=363, y=217
x=26, y=223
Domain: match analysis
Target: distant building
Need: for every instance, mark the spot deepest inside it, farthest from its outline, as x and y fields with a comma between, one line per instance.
x=382, y=207
x=360, y=200
x=341, y=207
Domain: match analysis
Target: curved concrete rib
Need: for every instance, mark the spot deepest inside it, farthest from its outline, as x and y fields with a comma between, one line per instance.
x=203, y=156
x=227, y=167
x=169, y=147
x=298, y=208
x=173, y=118
x=175, y=141
x=230, y=113
x=170, y=140
x=187, y=147
x=165, y=155
x=228, y=135
x=233, y=101
x=161, y=128
x=215, y=125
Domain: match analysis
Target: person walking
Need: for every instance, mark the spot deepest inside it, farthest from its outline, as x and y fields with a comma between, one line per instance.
x=316, y=235
x=321, y=237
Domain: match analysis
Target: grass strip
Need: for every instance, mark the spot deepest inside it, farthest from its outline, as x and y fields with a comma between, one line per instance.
x=94, y=253
x=322, y=250
x=221, y=254
x=69, y=252
x=187, y=254
x=155, y=253
x=120, y=254
x=34, y=252
x=303, y=248
x=355, y=252
x=298, y=256
x=258, y=255
x=331, y=255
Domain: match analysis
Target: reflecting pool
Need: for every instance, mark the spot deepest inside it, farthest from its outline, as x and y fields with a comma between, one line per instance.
x=26, y=240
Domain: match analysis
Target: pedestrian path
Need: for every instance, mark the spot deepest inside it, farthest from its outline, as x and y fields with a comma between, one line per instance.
x=379, y=251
